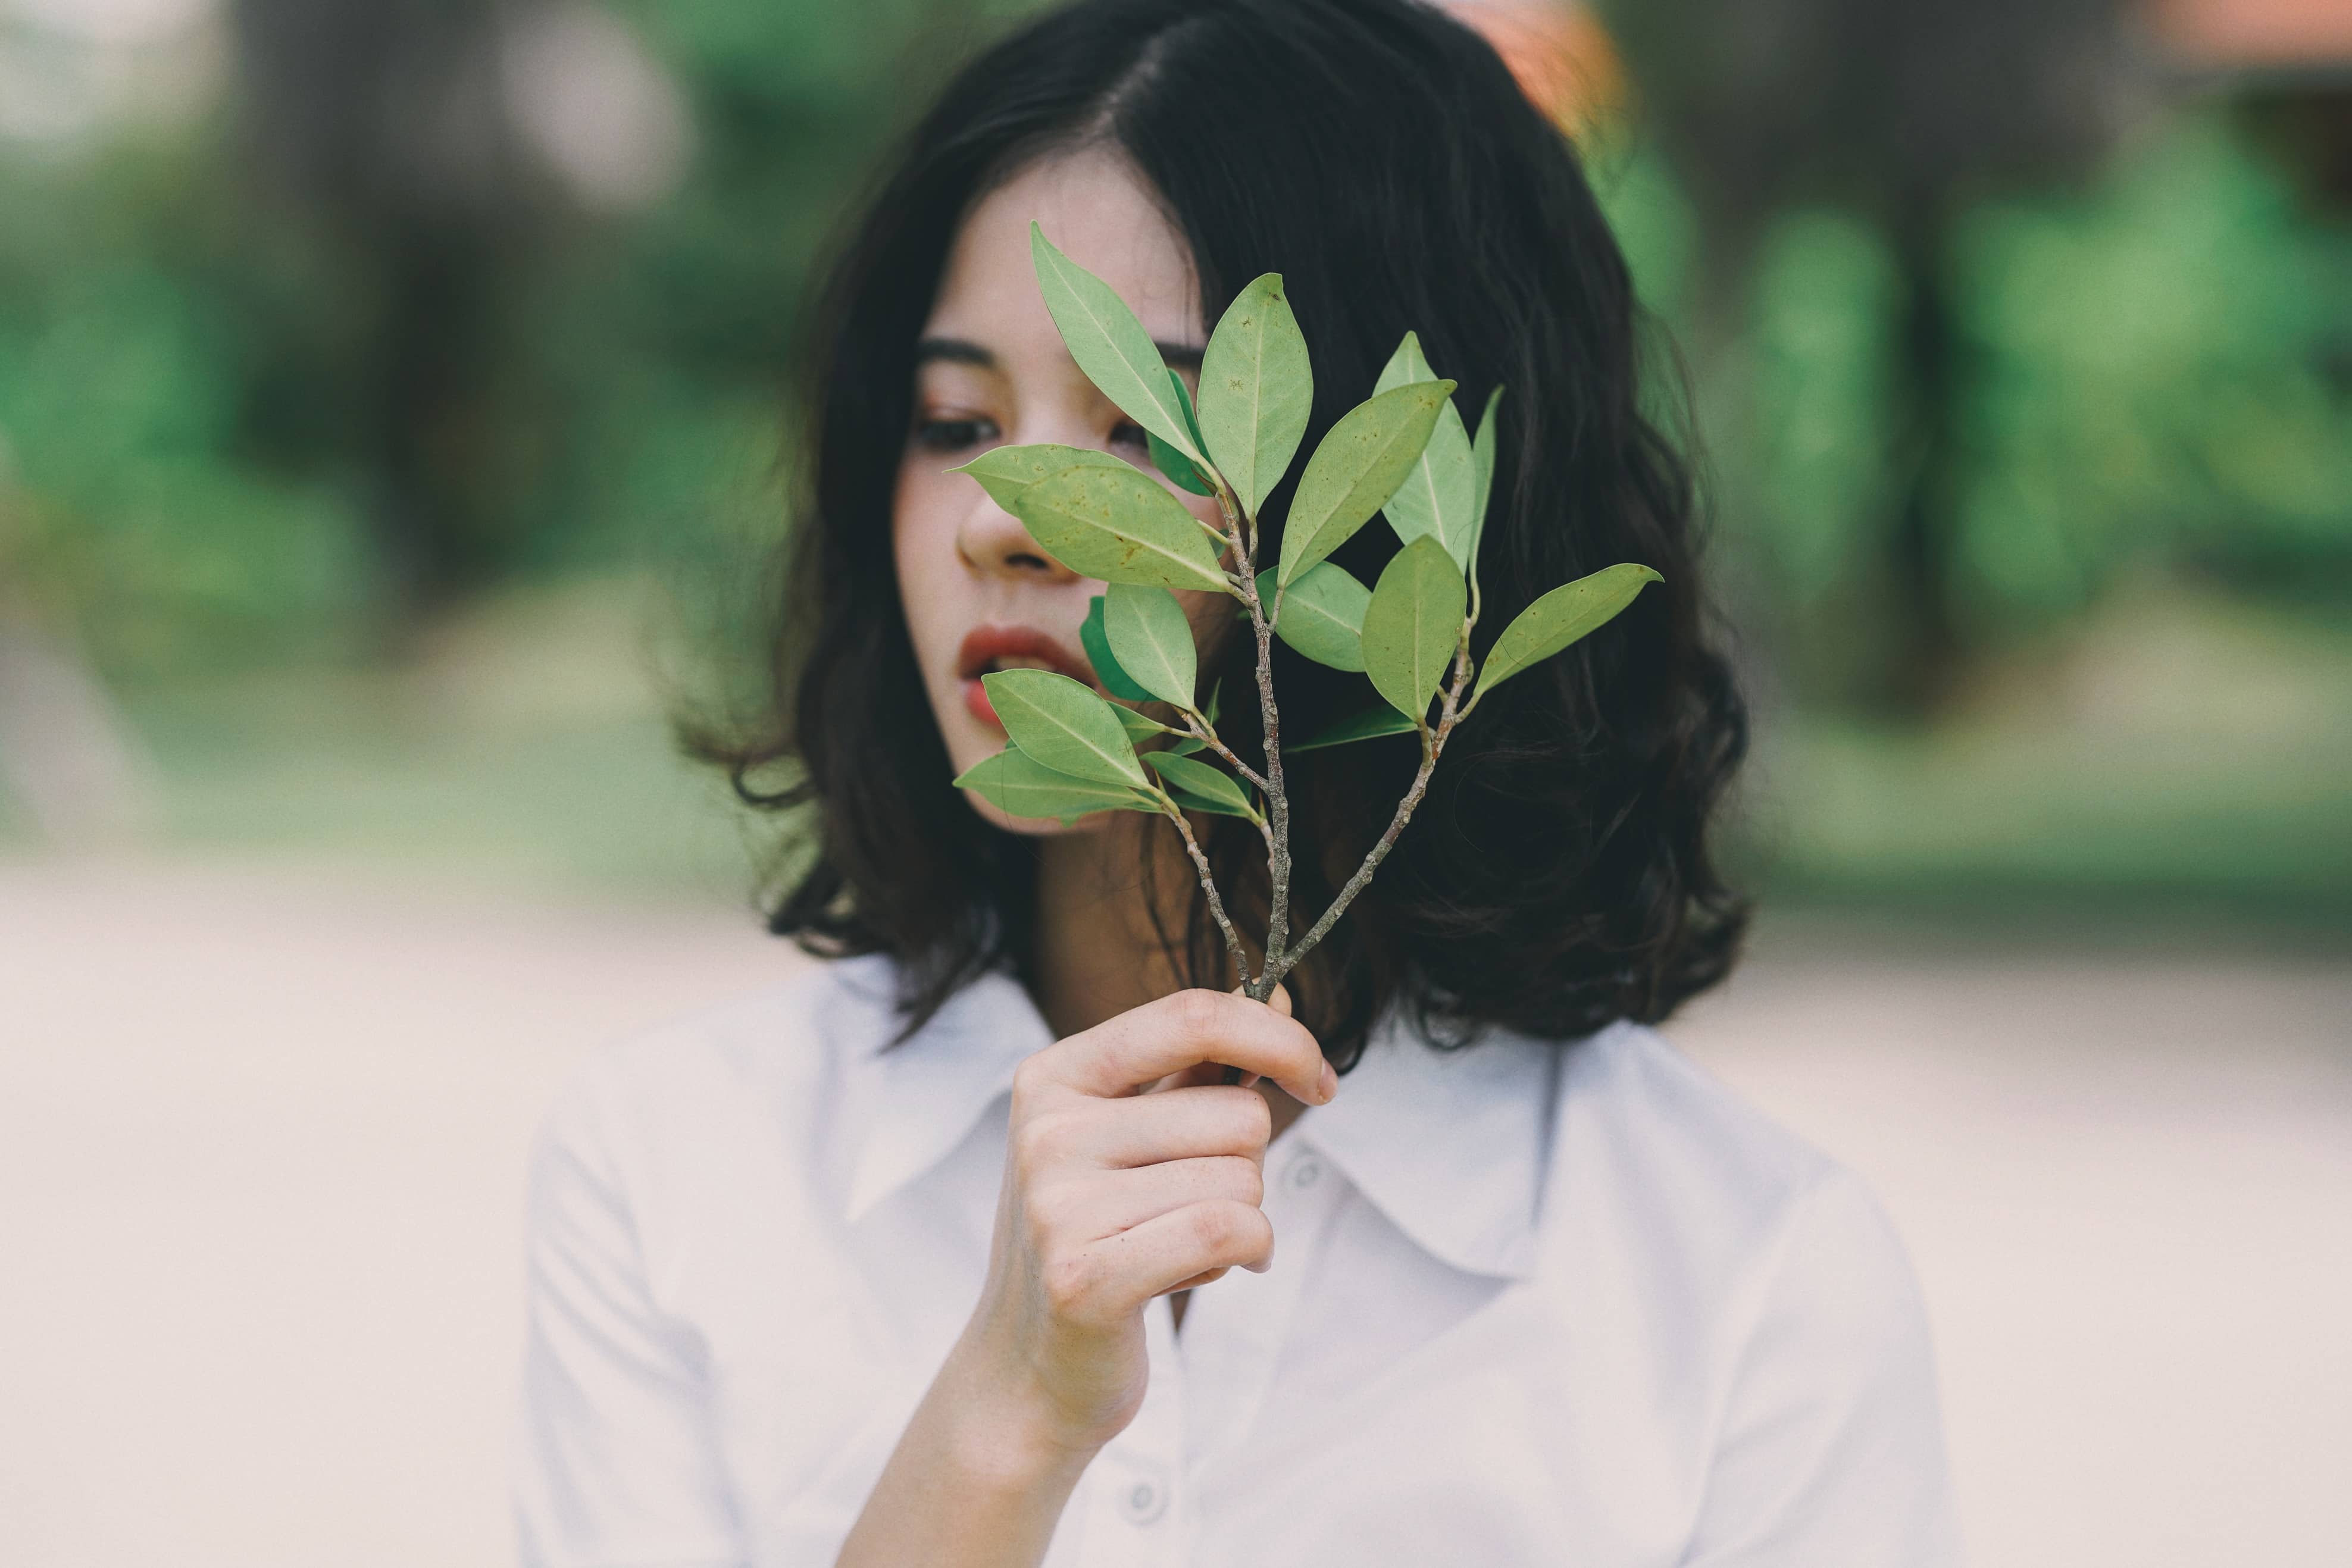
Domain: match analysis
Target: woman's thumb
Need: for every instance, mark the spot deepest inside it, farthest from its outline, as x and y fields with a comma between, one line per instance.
x=1279, y=1002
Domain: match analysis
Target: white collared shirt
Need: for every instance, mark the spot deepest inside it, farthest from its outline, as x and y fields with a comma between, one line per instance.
x=1529, y=1304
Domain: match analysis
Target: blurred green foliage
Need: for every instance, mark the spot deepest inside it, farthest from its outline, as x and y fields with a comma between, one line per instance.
x=2155, y=368
x=2158, y=372
x=188, y=363
x=2166, y=370
x=131, y=503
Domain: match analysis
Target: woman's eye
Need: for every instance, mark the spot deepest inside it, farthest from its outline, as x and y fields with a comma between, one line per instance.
x=953, y=434
x=1129, y=435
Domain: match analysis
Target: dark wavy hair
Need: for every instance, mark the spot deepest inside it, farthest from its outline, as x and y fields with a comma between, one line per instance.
x=1381, y=157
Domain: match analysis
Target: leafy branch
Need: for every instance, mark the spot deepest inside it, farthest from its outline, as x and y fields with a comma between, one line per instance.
x=1404, y=452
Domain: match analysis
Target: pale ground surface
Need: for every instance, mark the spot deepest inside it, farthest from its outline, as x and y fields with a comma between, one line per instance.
x=261, y=1140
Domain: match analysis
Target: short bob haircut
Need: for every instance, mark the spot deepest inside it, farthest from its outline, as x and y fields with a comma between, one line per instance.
x=1381, y=157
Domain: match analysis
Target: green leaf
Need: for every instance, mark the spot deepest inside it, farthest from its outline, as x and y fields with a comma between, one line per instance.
x=1559, y=618
x=1138, y=727
x=1109, y=344
x=1064, y=726
x=1257, y=391
x=1020, y=785
x=1322, y=614
x=1096, y=641
x=1186, y=801
x=1482, y=465
x=1412, y=625
x=1177, y=467
x=1191, y=415
x=1190, y=744
x=1355, y=469
x=1152, y=641
x=1197, y=783
x=1181, y=471
x=1440, y=494
x=1006, y=471
x=1120, y=525
x=1482, y=475
x=1363, y=727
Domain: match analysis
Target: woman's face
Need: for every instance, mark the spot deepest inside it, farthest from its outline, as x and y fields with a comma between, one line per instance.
x=990, y=371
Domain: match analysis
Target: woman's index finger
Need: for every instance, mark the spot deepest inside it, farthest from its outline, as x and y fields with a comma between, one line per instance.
x=1189, y=1028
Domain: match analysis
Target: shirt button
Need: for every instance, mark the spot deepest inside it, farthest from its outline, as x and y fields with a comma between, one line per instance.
x=1305, y=1173
x=1144, y=1502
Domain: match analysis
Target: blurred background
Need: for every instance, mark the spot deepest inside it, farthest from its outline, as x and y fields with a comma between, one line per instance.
x=389, y=440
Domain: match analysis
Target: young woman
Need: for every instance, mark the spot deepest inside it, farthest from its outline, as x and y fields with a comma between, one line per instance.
x=922, y=1257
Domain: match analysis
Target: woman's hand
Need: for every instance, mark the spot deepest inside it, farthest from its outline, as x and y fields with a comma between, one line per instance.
x=1126, y=1176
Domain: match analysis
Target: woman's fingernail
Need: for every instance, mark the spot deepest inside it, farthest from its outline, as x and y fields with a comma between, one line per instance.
x=1329, y=1084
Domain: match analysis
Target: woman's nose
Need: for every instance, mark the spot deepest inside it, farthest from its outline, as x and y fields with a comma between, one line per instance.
x=992, y=540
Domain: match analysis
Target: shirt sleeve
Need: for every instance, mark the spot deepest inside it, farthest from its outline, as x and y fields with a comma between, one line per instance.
x=1832, y=1453
x=618, y=1462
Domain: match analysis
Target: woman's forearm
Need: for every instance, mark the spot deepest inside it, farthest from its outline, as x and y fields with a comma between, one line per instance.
x=964, y=1488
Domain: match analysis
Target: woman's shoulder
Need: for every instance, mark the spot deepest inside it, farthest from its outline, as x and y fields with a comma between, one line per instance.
x=1721, y=1204
x=768, y=1052
x=1752, y=1293
x=1631, y=1094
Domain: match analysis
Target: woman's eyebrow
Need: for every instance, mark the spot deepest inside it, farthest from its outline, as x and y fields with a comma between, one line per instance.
x=953, y=352
x=964, y=352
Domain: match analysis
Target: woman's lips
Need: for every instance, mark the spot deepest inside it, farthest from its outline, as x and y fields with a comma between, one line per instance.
x=990, y=648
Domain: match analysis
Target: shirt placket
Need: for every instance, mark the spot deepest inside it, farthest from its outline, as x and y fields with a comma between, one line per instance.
x=1136, y=1510
x=1234, y=1331
x=1140, y=1497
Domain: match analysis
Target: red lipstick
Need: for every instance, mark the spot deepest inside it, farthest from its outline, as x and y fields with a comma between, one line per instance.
x=989, y=648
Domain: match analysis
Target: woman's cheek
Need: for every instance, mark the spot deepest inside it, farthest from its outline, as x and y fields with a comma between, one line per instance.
x=922, y=541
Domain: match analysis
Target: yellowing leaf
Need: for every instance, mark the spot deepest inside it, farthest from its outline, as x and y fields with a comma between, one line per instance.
x=1120, y=525
x=1257, y=391
x=1005, y=471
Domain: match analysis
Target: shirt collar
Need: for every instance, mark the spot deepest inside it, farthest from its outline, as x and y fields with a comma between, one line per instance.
x=908, y=1106
x=1452, y=1146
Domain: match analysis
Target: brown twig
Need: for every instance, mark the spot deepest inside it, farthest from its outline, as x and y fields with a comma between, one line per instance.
x=1216, y=905
x=1277, y=803
x=1206, y=733
x=1432, y=742
x=1274, y=826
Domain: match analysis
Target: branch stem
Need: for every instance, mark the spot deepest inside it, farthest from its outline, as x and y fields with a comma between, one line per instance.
x=1433, y=743
x=1206, y=733
x=1278, y=801
x=1208, y=885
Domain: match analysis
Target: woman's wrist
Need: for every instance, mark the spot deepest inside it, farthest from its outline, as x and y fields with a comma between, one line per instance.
x=1001, y=1435
x=1009, y=1452
x=978, y=1481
